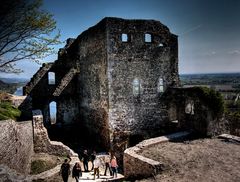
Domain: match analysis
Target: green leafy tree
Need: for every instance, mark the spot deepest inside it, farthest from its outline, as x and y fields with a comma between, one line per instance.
x=26, y=33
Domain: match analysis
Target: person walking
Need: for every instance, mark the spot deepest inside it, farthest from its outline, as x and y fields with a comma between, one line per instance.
x=97, y=164
x=77, y=171
x=92, y=158
x=85, y=159
x=65, y=170
x=107, y=159
x=114, y=166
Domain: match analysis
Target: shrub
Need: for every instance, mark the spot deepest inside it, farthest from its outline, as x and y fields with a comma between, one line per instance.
x=39, y=166
x=234, y=122
x=212, y=99
x=8, y=111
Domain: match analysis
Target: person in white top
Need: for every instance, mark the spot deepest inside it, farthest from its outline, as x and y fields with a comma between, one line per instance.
x=97, y=164
x=107, y=159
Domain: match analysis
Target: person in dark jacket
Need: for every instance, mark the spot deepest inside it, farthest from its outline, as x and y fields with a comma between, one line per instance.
x=93, y=157
x=77, y=171
x=65, y=170
x=85, y=159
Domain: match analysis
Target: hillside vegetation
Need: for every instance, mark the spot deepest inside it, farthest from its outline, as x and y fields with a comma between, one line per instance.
x=8, y=87
x=7, y=110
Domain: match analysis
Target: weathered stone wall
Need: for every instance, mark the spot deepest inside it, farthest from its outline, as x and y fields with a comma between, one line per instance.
x=67, y=109
x=40, y=91
x=44, y=93
x=138, y=166
x=193, y=110
x=99, y=98
x=37, y=77
x=93, y=88
x=42, y=144
x=10, y=175
x=16, y=146
x=143, y=115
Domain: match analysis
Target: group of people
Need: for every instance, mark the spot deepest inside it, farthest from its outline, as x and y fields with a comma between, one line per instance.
x=109, y=161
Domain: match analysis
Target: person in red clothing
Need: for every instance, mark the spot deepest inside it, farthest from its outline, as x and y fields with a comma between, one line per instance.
x=114, y=166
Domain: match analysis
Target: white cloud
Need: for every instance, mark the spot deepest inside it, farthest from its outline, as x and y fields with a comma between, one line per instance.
x=211, y=53
x=234, y=52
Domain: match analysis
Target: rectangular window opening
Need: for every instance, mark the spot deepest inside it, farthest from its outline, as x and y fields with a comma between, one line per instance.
x=148, y=37
x=124, y=37
x=160, y=87
x=51, y=78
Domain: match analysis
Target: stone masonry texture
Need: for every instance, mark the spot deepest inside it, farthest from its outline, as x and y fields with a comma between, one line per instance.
x=42, y=143
x=16, y=146
x=98, y=97
x=110, y=85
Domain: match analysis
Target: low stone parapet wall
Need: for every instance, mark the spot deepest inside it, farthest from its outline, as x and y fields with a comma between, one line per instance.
x=138, y=166
x=19, y=141
x=230, y=137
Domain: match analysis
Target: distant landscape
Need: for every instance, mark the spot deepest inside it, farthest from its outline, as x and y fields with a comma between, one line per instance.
x=211, y=79
x=10, y=85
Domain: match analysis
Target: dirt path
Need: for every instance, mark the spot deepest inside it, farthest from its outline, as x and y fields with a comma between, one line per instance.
x=88, y=176
x=205, y=160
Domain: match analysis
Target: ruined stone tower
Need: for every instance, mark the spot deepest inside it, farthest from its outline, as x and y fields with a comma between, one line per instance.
x=109, y=83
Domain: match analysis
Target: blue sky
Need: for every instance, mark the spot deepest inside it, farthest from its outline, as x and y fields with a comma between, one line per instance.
x=208, y=30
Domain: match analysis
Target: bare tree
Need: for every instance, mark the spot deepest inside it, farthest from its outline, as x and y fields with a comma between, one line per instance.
x=26, y=33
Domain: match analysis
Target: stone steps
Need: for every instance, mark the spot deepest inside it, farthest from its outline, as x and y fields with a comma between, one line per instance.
x=65, y=81
x=90, y=177
x=37, y=77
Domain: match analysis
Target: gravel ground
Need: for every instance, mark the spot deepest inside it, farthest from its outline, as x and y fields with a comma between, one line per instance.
x=202, y=160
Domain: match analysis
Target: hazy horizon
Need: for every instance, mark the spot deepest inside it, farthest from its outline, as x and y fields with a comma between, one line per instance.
x=180, y=74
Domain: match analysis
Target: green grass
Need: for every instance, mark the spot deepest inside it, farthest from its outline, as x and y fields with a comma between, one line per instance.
x=39, y=166
x=8, y=111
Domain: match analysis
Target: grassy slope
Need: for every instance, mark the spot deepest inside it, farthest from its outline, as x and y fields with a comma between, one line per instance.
x=7, y=111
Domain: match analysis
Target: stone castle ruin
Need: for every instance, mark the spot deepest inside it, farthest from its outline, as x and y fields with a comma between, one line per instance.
x=110, y=86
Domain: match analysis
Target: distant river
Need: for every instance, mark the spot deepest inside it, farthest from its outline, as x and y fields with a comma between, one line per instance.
x=19, y=91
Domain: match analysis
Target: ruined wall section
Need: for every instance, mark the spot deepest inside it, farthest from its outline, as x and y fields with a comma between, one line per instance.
x=42, y=89
x=193, y=109
x=37, y=77
x=41, y=93
x=42, y=144
x=93, y=89
x=16, y=146
x=67, y=109
x=63, y=91
x=67, y=102
x=147, y=62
